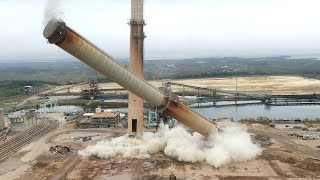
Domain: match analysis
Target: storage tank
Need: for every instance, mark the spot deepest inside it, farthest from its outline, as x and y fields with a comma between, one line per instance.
x=98, y=110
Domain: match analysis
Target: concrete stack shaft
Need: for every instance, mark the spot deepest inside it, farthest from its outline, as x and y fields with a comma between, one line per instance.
x=135, y=107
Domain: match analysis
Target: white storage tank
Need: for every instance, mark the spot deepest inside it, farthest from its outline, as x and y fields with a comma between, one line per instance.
x=98, y=110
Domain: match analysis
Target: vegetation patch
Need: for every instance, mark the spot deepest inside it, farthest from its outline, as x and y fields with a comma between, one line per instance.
x=10, y=88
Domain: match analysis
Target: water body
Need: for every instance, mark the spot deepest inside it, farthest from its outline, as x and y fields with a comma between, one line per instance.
x=244, y=110
x=258, y=110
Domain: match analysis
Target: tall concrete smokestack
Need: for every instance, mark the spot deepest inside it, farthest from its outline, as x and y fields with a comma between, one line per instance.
x=58, y=33
x=135, y=107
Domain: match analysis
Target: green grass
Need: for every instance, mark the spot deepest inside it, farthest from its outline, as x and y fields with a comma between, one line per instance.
x=9, y=92
x=10, y=88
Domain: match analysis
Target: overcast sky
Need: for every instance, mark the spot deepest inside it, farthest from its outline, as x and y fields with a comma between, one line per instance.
x=175, y=28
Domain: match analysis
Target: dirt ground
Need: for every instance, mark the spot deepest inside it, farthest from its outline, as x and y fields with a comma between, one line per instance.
x=258, y=84
x=284, y=157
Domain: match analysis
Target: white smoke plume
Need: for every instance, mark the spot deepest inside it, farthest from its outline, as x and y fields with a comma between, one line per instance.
x=233, y=144
x=52, y=10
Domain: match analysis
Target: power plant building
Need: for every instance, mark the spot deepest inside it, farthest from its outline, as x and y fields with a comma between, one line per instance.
x=100, y=120
x=21, y=120
x=90, y=93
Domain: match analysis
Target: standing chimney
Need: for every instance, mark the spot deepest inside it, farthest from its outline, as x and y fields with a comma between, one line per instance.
x=135, y=112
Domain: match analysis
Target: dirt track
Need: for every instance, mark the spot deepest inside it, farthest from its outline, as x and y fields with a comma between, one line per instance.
x=283, y=157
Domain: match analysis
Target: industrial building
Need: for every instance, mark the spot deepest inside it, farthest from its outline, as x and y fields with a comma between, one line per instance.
x=153, y=120
x=21, y=120
x=100, y=120
x=110, y=117
x=87, y=115
x=28, y=90
x=90, y=93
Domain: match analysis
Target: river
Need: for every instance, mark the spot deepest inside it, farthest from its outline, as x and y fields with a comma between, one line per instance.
x=243, y=110
x=258, y=110
x=254, y=110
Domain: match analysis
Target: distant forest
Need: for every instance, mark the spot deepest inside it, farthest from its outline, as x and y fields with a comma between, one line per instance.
x=74, y=71
x=13, y=76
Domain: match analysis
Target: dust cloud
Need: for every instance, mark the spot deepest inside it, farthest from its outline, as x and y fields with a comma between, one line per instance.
x=233, y=144
x=52, y=11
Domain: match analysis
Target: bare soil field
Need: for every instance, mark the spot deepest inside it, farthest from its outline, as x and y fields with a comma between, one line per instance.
x=284, y=157
x=257, y=84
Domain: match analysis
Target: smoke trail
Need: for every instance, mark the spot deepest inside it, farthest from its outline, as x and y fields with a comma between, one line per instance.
x=52, y=11
x=232, y=145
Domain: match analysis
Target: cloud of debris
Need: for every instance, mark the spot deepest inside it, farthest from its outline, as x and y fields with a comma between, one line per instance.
x=233, y=144
x=52, y=10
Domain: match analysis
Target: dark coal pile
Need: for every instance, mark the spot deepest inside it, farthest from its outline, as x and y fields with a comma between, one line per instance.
x=59, y=150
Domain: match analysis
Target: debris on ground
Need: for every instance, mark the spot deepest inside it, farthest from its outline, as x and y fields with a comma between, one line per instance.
x=148, y=165
x=261, y=139
x=290, y=160
x=59, y=150
x=306, y=135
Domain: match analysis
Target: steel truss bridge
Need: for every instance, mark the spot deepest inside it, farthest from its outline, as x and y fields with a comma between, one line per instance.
x=216, y=94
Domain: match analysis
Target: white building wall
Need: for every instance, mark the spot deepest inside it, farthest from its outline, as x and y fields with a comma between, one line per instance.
x=22, y=124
